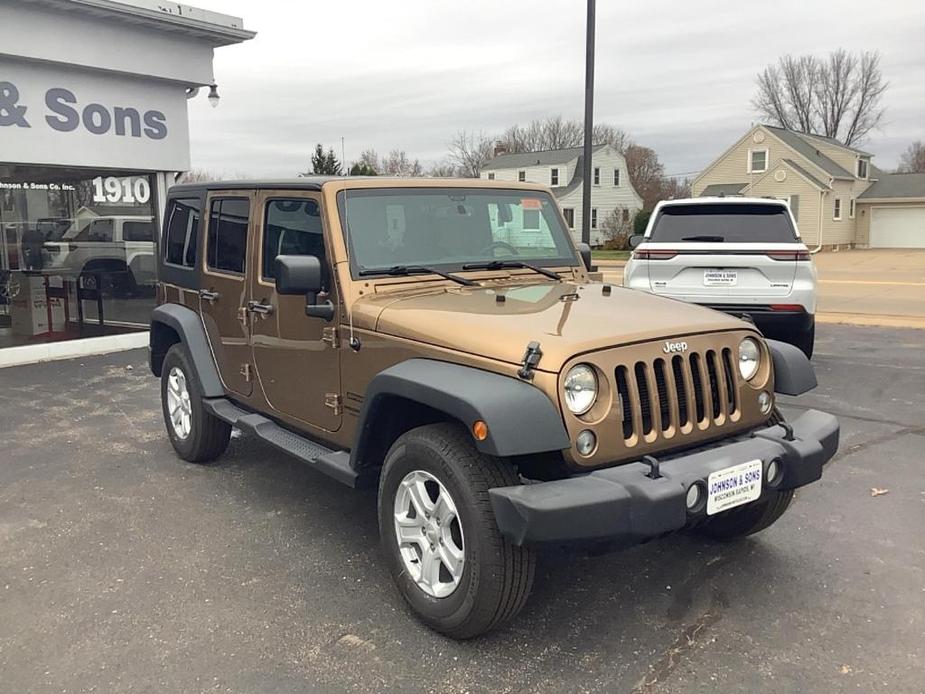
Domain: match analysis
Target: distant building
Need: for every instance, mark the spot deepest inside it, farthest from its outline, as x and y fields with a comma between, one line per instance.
x=837, y=195
x=561, y=170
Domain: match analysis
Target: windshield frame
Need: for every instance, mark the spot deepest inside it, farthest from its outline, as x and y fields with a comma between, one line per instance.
x=571, y=260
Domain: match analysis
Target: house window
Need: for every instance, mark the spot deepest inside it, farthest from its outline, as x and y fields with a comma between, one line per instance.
x=625, y=216
x=597, y=175
x=851, y=208
x=757, y=160
x=521, y=176
x=616, y=177
x=554, y=177
x=569, y=213
x=836, y=213
x=491, y=177
x=594, y=218
x=862, y=168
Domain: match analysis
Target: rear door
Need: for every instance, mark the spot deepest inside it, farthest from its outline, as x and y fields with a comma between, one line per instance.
x=225, y=292
x=716, y=250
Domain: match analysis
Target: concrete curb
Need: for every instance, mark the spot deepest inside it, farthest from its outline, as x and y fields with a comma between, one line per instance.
x=69, y=349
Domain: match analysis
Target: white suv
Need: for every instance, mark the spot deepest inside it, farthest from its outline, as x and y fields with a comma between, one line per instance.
x=739, y=255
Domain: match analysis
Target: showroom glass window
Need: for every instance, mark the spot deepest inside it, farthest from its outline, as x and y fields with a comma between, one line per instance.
x=77, y=252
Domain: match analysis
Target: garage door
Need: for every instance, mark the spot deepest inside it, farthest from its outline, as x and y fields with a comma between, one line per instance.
x=897, y=227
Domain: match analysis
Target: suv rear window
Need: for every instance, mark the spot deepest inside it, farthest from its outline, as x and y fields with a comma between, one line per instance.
x=182, y=232
x=731, y=223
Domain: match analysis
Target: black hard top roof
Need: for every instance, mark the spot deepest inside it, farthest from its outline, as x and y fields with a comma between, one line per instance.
x=306, y=183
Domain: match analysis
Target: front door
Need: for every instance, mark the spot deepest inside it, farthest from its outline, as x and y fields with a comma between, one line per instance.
x=295, y=355
x=224, y=294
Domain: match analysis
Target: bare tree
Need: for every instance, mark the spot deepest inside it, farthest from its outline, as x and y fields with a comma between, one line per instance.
x=913, y=159
x=838, y=96
x=369, y=159
x=617, y=227
x=398, y=164
x=469, y=152
x=442, y=169
x=557, y=132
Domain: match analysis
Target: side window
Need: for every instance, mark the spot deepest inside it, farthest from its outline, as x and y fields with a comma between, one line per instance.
x=138, y=231
x=227, y=242
x=182, y=232
x=100, y=230
x=291, y=227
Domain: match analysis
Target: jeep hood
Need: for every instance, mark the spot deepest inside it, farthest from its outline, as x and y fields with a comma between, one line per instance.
x=565, y=318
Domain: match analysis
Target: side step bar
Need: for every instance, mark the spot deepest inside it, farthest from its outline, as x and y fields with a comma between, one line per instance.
x=333, y=463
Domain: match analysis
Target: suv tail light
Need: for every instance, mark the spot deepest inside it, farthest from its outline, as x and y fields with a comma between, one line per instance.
x=654, y=255
x=788, y=255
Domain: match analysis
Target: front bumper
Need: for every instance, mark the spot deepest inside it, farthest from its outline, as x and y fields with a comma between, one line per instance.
x=623, y=506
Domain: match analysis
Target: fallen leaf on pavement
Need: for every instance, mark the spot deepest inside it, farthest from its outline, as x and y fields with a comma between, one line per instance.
x=878, y=492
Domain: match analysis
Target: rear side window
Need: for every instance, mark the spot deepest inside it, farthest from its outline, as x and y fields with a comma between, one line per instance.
x=138, y=231
x=182, y=232
x=227, y=242
x=292, y=227
x=732, y=223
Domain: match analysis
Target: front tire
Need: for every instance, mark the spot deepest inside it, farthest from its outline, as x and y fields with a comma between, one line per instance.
x=452, y=566
x=196, y=434
x=746, y=520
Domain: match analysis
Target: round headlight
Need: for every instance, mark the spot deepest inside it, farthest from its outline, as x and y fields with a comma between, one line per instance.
x=749, y=358
x=580, y=389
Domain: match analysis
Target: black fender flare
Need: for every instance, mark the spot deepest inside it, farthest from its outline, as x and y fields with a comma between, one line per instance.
x=187, y=325
x=793, y=372
x=521, y=419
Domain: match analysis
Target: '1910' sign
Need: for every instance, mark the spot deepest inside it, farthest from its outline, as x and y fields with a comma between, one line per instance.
x=65, y=114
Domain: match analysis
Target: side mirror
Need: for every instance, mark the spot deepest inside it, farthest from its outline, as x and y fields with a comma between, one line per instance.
x=584, y=250
x=636, y=239
x=303, y=274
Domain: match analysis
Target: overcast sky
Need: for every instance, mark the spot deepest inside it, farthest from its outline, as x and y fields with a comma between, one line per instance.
x=677, y=76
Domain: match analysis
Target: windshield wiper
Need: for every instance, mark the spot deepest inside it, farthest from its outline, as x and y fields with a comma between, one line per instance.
x=403, y=270
x=513, y=264
x=706, y=238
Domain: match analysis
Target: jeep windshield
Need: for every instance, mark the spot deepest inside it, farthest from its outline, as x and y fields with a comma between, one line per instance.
x=723, y=223
x=452, y=229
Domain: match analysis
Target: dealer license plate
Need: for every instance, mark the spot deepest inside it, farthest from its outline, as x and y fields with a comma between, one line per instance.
x=733, y=486
x=720, y=278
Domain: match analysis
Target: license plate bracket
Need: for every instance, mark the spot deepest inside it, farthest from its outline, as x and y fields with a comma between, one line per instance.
x=733, y=486
x=720, y=278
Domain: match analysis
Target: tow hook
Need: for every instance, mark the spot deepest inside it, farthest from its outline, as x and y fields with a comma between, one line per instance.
x=653, y=473
x=531, y=358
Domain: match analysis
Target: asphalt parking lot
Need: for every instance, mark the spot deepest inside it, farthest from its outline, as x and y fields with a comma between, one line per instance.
x=124, y=569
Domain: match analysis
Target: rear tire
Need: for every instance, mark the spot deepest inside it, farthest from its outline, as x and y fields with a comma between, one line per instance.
x=197, y=435
x=746, y=520
x=495, y=577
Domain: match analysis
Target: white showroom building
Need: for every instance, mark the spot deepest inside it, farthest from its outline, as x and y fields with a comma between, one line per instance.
x=93, y=129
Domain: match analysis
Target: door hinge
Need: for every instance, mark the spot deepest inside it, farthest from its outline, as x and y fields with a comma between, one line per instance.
x=329, y=335
x=246, y=372
x=333, y=400
x=242, y=314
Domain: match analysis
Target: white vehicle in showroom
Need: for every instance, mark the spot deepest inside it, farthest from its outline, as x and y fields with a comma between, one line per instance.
x=742, y=256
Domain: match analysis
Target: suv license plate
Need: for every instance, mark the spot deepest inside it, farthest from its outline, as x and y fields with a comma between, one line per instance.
x=733, y=486
x=720, y=278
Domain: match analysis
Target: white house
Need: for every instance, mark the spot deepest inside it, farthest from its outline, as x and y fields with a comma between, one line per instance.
x=560, y=169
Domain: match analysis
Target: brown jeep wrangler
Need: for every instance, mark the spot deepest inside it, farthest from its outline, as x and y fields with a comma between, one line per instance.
x=442, y=340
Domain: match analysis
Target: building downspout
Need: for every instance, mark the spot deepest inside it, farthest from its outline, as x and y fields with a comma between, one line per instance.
x=821, y=213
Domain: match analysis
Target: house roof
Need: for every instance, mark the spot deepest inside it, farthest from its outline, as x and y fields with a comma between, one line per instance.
x=806, y=174
x=547, y=157
x=805, y=146
x=837, y=143
x=722, y=189
x=897, y=185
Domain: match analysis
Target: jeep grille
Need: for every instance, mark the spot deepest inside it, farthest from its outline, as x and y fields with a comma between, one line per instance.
x=675, y=394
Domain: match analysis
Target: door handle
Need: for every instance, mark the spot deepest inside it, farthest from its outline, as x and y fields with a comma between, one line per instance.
x=257, y=307
x=209, y=295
